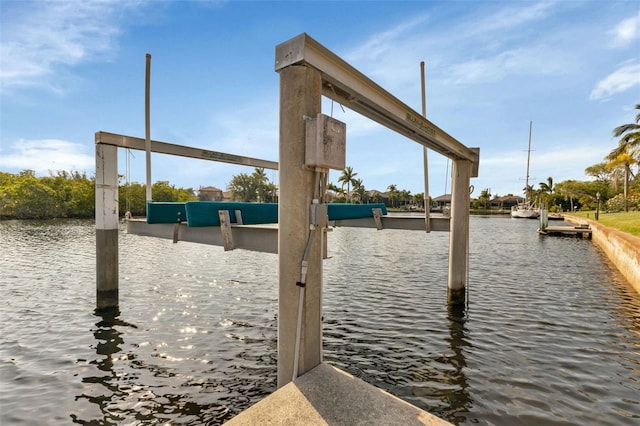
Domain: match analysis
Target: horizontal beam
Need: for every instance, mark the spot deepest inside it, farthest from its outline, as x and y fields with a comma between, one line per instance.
x=410, y=223
x=345, y=84
x=123, y=141
x=264, y=238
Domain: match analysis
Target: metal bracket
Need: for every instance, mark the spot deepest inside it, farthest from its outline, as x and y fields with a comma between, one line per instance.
x=176, y=231
x=377, y=217
x=318, y=215
x=225, y=229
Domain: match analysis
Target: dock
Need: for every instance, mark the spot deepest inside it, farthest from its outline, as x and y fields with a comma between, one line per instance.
x=311, y=143
x=583, y=231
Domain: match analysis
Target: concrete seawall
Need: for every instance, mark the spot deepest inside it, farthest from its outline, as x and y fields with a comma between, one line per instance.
x=622, y=249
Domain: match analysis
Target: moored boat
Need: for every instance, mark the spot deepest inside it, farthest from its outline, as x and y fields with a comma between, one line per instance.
x=526, y=209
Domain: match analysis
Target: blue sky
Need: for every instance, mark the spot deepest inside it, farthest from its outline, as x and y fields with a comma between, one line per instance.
x=69, y=69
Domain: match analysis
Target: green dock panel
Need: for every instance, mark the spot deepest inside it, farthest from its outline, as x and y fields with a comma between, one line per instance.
x=166, y=212
x=205, y=213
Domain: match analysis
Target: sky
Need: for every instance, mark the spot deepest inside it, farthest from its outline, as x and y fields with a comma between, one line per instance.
x=71, y=68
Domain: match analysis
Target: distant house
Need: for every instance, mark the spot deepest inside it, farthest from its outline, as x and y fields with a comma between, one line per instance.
x=506, y=202
x=376, y=196
x=210, y=193
x=330, y=195
x=443, y=200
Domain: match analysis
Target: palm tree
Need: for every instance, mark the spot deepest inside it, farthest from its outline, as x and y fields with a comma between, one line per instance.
x=260, y=181
x=359, y=190
x=419, y=199
x=347, y=177
x=630, y=134
x=628, y=151
x=335, y=189
x=485, y=197
x=528, y=193
x=546, y=188
x=393, y=193
x=624, y=160
x=405, y=196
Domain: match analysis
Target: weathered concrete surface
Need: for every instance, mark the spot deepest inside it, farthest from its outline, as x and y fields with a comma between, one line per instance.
x=622, y=249
x=328, y=396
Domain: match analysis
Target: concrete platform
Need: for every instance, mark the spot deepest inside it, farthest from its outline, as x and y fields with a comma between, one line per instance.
x=329, y=396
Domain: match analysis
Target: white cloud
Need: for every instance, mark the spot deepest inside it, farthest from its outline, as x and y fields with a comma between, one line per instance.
x=512, y=18
x=538, y=60
x=380, y=44
x=487, y=55
x=38, y=37
x=47, y=154
x=619, y=81
x=626, y=31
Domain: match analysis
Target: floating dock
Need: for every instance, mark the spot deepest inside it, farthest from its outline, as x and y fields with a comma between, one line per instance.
x=583, y=231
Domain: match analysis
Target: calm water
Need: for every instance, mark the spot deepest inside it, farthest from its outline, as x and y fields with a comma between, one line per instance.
x=551, y=334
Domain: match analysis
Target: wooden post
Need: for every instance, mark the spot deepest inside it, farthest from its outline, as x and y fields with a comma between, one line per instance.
x=106, y=226
x=300, y=96
x=459, y=235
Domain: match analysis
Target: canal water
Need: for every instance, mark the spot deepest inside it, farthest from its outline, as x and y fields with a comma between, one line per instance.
x=551, y=334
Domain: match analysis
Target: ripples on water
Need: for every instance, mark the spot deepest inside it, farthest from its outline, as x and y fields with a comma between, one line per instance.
x=551, y=334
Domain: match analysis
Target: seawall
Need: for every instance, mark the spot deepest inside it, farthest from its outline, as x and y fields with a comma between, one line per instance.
x=621, y=248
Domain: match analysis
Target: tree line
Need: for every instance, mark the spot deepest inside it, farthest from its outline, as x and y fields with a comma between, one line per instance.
x=65, y=194
x=256, y=187
x=72, y=195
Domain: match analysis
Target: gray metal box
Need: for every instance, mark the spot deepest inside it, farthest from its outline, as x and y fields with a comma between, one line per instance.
x=326, y=143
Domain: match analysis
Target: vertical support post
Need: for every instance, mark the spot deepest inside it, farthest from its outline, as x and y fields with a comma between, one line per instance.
x=147, y=124
x=459, y=235
x=300, y=95
x=106, y=226
x=425, y=156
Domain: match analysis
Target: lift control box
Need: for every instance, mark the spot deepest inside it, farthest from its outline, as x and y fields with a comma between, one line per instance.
x=326, y=143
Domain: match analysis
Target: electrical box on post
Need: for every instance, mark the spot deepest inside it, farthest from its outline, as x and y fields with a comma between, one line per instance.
x=326, y=143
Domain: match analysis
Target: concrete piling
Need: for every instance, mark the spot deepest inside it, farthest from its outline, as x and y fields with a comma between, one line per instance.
x=300, y=96
x=459, y=231
x=106, y=226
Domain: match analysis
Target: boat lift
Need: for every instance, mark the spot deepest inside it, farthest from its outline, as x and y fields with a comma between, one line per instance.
x=310, y=144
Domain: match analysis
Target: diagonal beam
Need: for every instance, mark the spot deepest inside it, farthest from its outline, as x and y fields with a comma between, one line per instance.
x=345, y=84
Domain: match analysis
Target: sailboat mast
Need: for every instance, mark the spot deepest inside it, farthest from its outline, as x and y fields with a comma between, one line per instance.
x=526, y=185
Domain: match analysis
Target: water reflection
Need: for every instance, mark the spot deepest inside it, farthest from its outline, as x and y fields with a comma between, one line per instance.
x=460, y=400
x=134, y=383
x=109, y=342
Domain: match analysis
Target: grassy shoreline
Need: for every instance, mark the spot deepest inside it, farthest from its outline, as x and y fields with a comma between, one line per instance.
x=628, y=222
